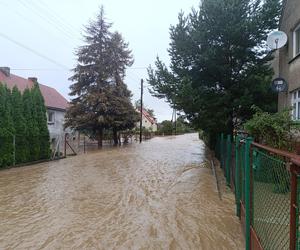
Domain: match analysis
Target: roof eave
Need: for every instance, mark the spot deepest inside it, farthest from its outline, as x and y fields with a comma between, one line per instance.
x=57, y=109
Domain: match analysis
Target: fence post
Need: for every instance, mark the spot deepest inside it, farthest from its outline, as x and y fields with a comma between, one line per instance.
x=297, y=210
x=228, y=159
x=247, y=192
x=222, y=150
x=14, y=150
x=65, y=146
x=294, y=220
x=237, y=177
x=84, y=144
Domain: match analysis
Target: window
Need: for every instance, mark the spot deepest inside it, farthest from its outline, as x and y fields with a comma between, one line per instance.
x=51, y=117
x=297, y=41
x=296, y=104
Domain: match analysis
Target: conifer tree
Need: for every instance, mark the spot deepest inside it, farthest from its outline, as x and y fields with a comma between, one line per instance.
x=6, y=127
x=32, y=132
x=44, y=138
x=122, y=113
x=97, y=79
x=21, y=145
x=219, y=63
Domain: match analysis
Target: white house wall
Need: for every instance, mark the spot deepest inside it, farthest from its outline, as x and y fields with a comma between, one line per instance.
x=147, y=124
x=57, y=127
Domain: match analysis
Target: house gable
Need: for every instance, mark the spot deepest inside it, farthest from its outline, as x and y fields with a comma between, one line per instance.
x=53, y=99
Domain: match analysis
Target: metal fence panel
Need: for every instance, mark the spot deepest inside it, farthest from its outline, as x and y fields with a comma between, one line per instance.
x=269, y=205
x=271, y=200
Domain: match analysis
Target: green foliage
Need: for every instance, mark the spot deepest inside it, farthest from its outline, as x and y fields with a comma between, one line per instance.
x=41, y=118
x=219, y=63
x=32, y=132
x=22, y=117
x=275, y=130
x=19, y=125
x=102, y=100
x=168, y=128
x=6, y=127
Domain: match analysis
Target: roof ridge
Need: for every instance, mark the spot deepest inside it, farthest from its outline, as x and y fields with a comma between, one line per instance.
x=53, y=98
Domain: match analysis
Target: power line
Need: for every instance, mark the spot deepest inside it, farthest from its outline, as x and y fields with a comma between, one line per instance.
x=50, y=10
x=19, y=14
x=47, y=19
x=33, y=51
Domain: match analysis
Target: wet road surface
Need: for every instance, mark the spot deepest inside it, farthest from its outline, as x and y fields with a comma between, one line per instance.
x=158, y=195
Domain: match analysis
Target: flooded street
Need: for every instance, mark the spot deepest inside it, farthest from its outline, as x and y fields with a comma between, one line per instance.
x=158, y=195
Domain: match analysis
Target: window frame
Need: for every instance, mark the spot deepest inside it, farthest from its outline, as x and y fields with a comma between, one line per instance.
x=52, y=112
x=295, y=104
x=295, y=31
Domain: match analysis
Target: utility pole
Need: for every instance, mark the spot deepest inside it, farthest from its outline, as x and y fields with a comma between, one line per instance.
x=141, y=121
x=175, y=121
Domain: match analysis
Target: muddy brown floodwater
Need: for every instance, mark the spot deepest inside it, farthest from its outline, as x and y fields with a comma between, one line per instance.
x=157, y=195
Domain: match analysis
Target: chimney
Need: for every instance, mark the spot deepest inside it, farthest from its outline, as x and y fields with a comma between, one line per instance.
x=33, y=79
x=5, y=70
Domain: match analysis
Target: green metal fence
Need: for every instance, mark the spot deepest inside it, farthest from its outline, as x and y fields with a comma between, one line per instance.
x=271, y=200
x=265, y=183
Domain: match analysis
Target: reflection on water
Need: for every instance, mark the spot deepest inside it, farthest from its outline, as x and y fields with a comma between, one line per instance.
x=156, y=195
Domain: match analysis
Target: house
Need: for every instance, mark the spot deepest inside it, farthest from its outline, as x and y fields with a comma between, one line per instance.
x=288, y=66
x=148, y=121
x=55, y=103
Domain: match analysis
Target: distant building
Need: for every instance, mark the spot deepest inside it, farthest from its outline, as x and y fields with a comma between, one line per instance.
x=55, y=103
x=148, y=121
x=289, y=57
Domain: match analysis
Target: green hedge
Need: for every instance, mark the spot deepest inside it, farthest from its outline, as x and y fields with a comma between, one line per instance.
x=23, y=117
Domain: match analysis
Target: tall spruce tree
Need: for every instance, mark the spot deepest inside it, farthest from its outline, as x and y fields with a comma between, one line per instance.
x=219, y=63
x=19, y=121
x=6, y=127
x=122, y=114
x=102, y=99
x=44, y=138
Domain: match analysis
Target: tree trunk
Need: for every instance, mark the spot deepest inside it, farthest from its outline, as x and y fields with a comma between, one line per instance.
x=100, y=138
x=115, y=136
x=119, y=138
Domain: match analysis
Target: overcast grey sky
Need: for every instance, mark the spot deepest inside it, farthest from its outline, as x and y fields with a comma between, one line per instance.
x=53, y=29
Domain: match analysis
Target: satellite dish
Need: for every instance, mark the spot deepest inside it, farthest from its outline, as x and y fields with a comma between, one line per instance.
x=276, y=39
x=279, y=85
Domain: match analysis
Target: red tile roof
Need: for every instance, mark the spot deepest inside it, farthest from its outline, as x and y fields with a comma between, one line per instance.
x=52, y=98
x=147, y=116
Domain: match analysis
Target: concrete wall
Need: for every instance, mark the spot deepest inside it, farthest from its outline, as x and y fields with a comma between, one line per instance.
x=289, y=67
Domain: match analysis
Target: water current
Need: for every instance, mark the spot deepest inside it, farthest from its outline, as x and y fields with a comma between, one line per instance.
x=160, y=194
